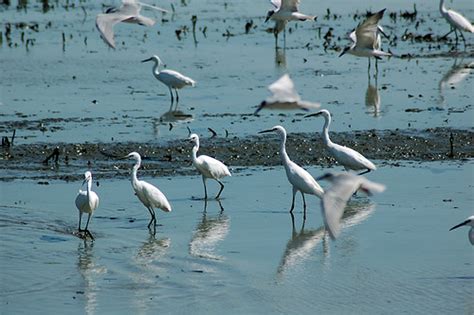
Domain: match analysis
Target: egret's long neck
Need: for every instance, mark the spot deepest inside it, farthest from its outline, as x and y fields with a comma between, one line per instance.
x=327, y=122
x=156, y=67
x=442, y=8
x=195, y=150
x=284, y=156
x=89, y=187
x=134, y=172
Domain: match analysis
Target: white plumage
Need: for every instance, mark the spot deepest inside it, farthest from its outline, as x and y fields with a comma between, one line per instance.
x=129, y=12
x=284, y=96
x=298, y=177
x=335, y=198
x=172, y=79
x=347, y=157
x=456, y=21
x=468, y=222
x=149, y=195
x=208, y=166
x=86, y=202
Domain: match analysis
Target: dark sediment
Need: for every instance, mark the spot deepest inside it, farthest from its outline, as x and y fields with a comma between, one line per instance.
x=174, y=158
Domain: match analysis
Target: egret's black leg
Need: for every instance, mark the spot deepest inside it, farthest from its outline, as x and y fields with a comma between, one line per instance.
x=205, y=188
x=293, y=201
x=364, y=172
x=222, y=188
x=304, y=206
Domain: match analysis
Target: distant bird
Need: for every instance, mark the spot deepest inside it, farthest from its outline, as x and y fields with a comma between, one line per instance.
x=284, y=96
x=129, y=12
x=172, y=79
x=86, y=202
x=456, y=21
x=347, y=157
x=468, y=222
x=284, y=11
x=301, y=180
x=149, y=195
x=335, y=198
x=208, y=166
x=366, y=40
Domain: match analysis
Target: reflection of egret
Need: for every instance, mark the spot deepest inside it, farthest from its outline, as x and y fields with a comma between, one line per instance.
x=209, y=232
x=372, y=98
x=89, y=270
x=302, y=243
x=468, y=222
x=152, y=250
x=458, y=73
x=280, y=58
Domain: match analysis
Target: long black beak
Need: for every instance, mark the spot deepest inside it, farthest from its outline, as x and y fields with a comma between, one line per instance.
x=146, y=60
x=312, y=115
x=323, y=177
x=459, y=225
x=265, y=131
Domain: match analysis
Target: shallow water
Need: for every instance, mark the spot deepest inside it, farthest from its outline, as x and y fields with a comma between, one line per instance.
x=84, y=91
x=394, y=255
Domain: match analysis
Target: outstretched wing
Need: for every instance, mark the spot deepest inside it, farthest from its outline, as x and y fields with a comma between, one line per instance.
x=276, y=3
x=283, y=90
x=366, y=33
x=290, y=5
x=105, y=22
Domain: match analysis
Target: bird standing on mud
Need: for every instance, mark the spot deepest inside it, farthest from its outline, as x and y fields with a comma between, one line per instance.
x=86, y=202
x=456, y=21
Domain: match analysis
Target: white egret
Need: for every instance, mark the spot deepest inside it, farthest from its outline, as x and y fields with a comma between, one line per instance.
x=284, y=96
x=208, y=167
x=86, y=202
x=456, y=21
x=335, y=198
x=347, y=157
x=129, y=12
x=298, y=177
x=366, y=40
x=149, y=195
x=172, y=79
x=468, y=222
x=284, y=11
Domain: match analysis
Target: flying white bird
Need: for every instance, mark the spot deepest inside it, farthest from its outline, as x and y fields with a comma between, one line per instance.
x=129, y=12
x=301, y=180
x=172, y=79
x=456, y=21
x=347, y=157
x=208, y=166
x=366, y=40
x=284, y=11
x=149, y=195
x=468, y=222
x=335, y=198
x=86, y=202
x=284, y=96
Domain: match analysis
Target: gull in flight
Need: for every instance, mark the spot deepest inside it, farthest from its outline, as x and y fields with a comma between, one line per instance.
x=335, y=198
x=366, y=40
x=284, y=96
x=128, y=12
x=284, y=11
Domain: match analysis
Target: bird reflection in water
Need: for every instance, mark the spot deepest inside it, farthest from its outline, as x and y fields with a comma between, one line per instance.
x=459, y=72
x=301, y=244
x=210, y=231
x=372, y=99
x=89, y=271
x=280, y=58
x=173, y=115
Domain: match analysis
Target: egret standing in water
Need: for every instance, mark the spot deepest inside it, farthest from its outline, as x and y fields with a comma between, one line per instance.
x=86, y=202
x=172, y=79
x=208, y=166
x=456, y=21
x=301, y=180
x=469, y=222
x=149, y=195
x=335, y=198
x=129, y=12
x=366, y=39
x=347, y=157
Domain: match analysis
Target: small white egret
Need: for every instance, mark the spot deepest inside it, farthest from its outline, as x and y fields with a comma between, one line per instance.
x=298, y=177
x=149, y=195
x=172, y=79
x=129, y=12
x=208, y=166
x=347, y=157
x=284, y=96
x=284, y=11
x=366, y=39
x=86, y=202
x=468, y=222
x=335, y=198
x=456, y=21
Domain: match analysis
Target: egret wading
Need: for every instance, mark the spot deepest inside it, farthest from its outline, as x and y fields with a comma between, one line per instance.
x=128, y=12
x=172, y=79
x=468, y=222
x=298, y=177
x=456, y=21
x=347, y=157
x=208, y=167
x=335, y=198
x=86, y=202
x=149, y=195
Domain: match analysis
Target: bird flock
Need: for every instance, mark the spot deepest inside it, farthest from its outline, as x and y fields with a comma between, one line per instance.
x=366, y=41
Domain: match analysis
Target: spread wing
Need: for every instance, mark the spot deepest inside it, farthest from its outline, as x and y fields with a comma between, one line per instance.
x=276, y=3
x=105, y=22
x=366, y=33
x=290, y=5
x=283, y=90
